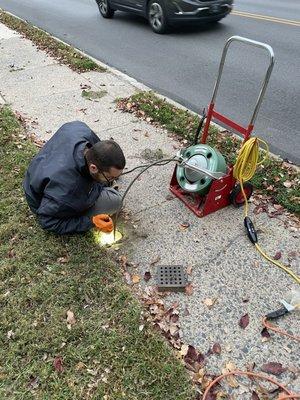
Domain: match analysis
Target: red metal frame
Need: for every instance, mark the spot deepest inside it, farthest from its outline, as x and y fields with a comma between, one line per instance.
x=218, y=196
x=212, y=113
x=219, y=193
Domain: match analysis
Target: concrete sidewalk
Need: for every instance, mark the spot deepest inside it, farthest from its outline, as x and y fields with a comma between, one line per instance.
x=224, y=265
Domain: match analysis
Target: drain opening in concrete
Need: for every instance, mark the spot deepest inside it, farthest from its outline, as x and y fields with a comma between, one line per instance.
x=171, y=278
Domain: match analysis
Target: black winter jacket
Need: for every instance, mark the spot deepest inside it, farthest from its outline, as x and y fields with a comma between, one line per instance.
x=58, y=186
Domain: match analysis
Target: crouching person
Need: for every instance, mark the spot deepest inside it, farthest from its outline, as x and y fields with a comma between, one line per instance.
x=68, y=183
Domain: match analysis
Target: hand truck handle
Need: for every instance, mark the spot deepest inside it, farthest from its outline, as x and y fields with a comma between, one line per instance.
x=267, y=76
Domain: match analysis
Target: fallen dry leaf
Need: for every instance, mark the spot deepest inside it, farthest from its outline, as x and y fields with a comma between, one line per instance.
x=293, y=254
x=70, y=318
x=277, y=255
x=254, y=396
x=58, y=364
x=209, y=302
x=186, y=312
x=278, y=206
x=80, y=366
x=189, y=270
x=169, y=197
x=250, y=366
x=265, y=333
x=189, y=289
x=185, y=225
x=147, y=276
x=155, y=260
x=63, y=260
x=33, y=382
x=212, y=395
x=228, y=348
x=221, y=395
x=184, y=350
x=174, y=318
x=198, y=376
x=123, y=261
x=232, y=382
x=244, y=321
x=273, y=368
x=92, y=372
x=192, y=353
x=173, y=329
x=10, y=334
x=136, y=279
x=175, y=304
x=287, y=184
x=11, y=253
x=216, y=348
x=128, y=278
x=230, y=366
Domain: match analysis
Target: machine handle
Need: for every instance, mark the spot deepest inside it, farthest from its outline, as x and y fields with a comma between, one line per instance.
x=211, y=174
x=267, y=76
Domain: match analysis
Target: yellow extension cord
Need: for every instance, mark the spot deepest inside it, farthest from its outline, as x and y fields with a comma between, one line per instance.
x=243, y=171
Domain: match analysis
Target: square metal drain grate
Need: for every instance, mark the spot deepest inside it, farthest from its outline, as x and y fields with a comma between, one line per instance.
x=171, y=278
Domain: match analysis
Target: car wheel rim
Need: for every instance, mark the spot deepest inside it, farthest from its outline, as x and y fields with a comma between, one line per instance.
x=156, y=15
x=103, y=6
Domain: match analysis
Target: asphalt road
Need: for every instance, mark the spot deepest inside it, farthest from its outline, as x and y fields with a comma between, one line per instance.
x=183, y=65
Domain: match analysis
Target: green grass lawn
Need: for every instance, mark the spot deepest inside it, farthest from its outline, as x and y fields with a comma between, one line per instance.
x=42, y=276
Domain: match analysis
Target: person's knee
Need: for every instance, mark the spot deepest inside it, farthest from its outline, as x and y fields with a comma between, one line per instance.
x=109, y=202
x=116, y=203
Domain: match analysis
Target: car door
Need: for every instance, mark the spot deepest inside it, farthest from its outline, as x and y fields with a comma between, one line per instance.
x=137, y=5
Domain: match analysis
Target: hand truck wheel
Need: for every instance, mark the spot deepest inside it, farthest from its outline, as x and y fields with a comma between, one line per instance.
x=236, y=196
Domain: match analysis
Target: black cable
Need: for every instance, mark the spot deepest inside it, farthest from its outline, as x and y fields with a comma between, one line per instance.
x=155, y=163
x=144, y=166
x=199, y=127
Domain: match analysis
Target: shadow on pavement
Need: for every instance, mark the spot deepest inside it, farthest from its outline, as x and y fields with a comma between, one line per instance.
x=182, y=29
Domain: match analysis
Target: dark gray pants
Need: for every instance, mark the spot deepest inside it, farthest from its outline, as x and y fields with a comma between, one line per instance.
x=109, y=202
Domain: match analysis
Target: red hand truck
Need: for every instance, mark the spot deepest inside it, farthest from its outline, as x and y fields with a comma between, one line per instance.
x=224, y=191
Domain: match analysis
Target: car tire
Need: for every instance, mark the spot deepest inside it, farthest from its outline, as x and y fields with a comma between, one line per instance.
x=157, y=16
x=105, y=10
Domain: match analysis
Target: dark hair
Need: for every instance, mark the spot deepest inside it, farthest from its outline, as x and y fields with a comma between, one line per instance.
x=106, y=154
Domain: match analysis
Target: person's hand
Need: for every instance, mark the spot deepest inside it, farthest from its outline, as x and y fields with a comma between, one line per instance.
x=103, y=222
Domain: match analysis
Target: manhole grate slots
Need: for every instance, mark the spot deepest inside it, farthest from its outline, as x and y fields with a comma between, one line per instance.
x=171, y=278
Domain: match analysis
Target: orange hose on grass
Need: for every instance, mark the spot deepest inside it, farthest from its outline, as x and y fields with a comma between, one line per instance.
x=255, y=375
